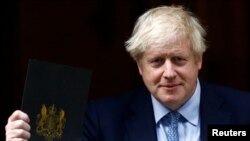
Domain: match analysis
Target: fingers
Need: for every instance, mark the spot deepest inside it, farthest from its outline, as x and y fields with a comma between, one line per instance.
x=17, y=134
x=17, y=124
x=19, y=115
x=17, y=128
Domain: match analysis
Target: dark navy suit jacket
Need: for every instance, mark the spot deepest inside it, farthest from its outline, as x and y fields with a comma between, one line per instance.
x=130, y=117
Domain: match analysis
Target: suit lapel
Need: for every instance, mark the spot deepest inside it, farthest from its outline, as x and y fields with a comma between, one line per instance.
x=212, y=109
x=141, y=124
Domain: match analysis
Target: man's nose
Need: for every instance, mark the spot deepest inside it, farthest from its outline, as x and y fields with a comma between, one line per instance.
x=169, y=70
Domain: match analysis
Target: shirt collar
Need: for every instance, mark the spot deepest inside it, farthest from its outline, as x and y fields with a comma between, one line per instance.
x=190, y=110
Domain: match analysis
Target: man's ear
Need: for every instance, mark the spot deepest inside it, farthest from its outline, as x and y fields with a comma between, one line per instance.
x=139, y=65
x=199, y=61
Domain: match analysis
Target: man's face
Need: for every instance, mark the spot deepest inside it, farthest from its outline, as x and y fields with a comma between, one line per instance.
x=170, y=72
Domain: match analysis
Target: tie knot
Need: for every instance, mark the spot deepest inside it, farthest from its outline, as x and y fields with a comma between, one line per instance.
x=175, y=116
x=172, y=118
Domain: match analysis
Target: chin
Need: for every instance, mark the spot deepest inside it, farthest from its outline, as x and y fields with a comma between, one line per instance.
x=169, y=98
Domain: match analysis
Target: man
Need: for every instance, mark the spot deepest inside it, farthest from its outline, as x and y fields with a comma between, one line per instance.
x=167, y=44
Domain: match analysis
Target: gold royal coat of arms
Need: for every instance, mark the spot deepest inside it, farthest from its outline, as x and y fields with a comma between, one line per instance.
x=50, y=122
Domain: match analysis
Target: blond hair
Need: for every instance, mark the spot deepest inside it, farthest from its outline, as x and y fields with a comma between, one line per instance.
x=161, y=25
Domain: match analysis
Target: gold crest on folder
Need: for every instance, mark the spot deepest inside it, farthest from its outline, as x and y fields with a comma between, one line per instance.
x=50, y=122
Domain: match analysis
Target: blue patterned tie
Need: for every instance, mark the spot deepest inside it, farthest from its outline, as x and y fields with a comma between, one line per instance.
x=171, y=121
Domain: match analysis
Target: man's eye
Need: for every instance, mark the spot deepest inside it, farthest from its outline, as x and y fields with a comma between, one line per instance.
x=178, y=59
x=157, y=60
